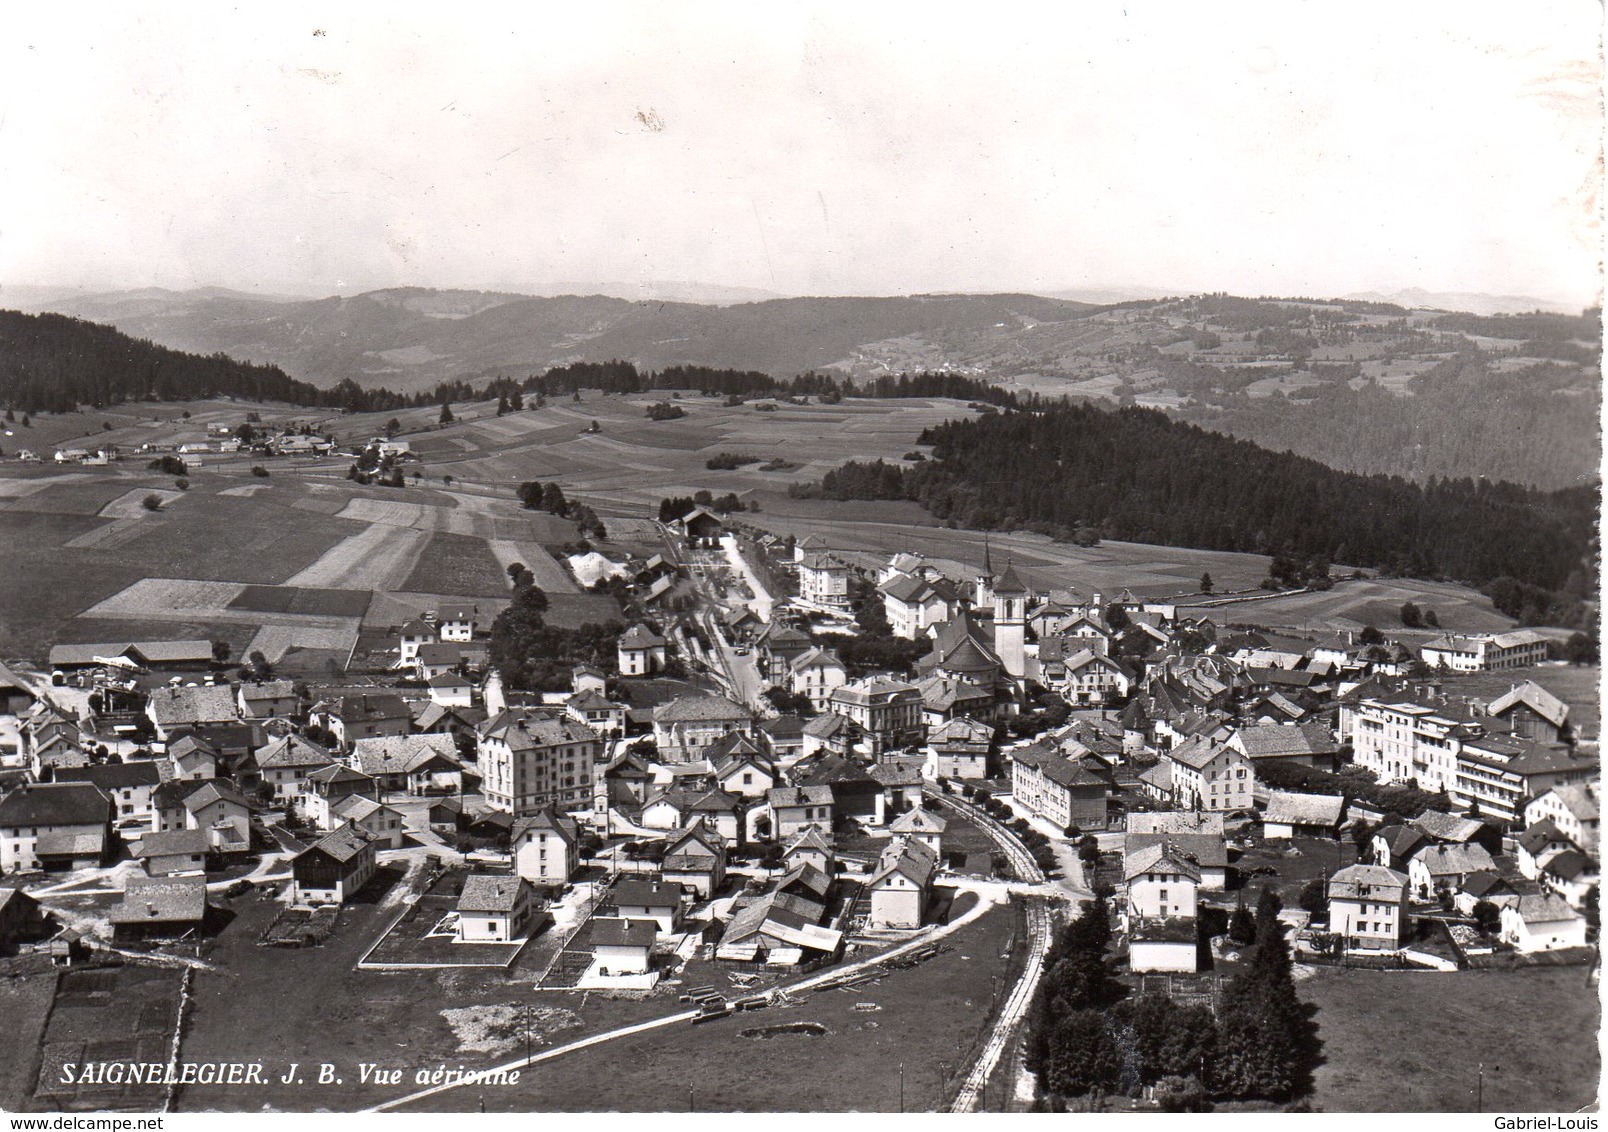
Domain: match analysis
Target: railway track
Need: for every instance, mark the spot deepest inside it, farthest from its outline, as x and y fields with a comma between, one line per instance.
x=1039, y=925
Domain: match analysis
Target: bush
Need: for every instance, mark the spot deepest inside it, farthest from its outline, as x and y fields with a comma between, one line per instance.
x=1181, y=1094
x=152, y=502
x=726, y=461
x=259, y=471
x=182, y=484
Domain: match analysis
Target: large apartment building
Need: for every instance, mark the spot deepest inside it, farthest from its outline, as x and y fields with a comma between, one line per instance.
x=1488, y=652
x=529, y=762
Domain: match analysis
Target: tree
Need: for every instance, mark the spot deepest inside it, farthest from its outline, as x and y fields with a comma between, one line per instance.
x=553, y=499
x=502, y=404
x=220, y=652
x=1487, y=917
x=1431, y=619
x=446, y=416
x=260, y=668
x=1117, y=617
x=1411, y=616
x=1082, y=1056
x=1314, y=900
x=392, y=427
x=1181, y=1094
x=1370, y=636
x=259, y=471
x=1580, y=649
x=1205, y=583
x=152, y=502
x=1265, y=1044
x=1242, y=926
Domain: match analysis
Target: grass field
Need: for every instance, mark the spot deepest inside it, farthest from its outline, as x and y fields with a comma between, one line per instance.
x=1371, y=601
x=926, y=1021
x=458, y=564
x=1578, y=686
x=24, y=1010
x=1403, y=1041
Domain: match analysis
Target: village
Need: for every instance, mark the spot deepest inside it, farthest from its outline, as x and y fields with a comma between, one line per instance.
x=803, y=769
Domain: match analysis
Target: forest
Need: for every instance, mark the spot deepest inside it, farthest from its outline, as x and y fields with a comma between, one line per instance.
x=1137, y=475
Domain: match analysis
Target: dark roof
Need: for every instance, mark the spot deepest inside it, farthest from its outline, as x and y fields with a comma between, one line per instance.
x=164, y=900
x=633, y=893
x=609, y=931
x=483, y=892
x=114, y=776
x=342, y=844
x=69, y=803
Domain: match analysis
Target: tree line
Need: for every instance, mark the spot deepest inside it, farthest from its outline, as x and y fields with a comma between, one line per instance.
x=1137, y=475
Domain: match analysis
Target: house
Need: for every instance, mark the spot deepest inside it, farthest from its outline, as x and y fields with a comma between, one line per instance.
x=269, y=698
x=1164, y=945
x=545, y=846
x=456, y=621
x=1209, y=852
x=779, y=928
x=410, y=638
x=1063, y=791
x=328, y=788
x=597, y=711
x=160, y=908
x=944, y=699
x=1211, y=776
x=214, y=806
x=22, y=919
x=130, y=785
x=809, y=846
x=1500, y=776
x=193, y=757
x=1087, y=677
x=923, y=825
x=1450, y=829
x=437, y=719
x=823, y=580
x=647, y=900
x=286, y=763
x=1572, y=809
x=417, y=764
x=902, y=884
x=831, y=734
x=54, y=826
x=449, y=689
x=437, y=658
x=172, y=708
x=744, y=772
x=1162, y=880
x=901, y=785
x=959, y=749
x=695, y=860
x=1542, y=922
x=779, y=645
x=1368, y=907
x=529, y=761
x=175, y=851
x=782, y=738
x=794, y=809
x=1486, y=652
x=815, y=675
x=1302, y=815
x=887, y=710
x=915, y=603
x=701, y=529
x=808, y=882
x=382, y=823
x=16, y=697
x=621, y=946
x=1571, y=874
x=1394, y=845
x=640, y=651
x=495, y=909
x=686, y=725
x=333, y=868
x=1489, y=887
x=1444, y=868
x=366, y=716
x=1531, y=712
x=1537, y=844
x=1289, y=744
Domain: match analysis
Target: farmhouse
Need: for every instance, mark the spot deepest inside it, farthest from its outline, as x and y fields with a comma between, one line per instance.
x=621, y=946
x=382, y=823
x=1531, y=712
x=212, y=805
x=365, y=716
x=176, y=851
x=494, y=909
x=130, y=785
x=1302, y=815
x=1298, y=744
x=777, y=928
x=269, y=698
x=1572, y=809
x=648, y=900
x=417, y=764
x=193, y=757
x=286, y=763
x=158, y=656
x=173, y=708
x=456, y=621
x=54, y=826
x=1443, y=868
x=333, y=868
x=160, y=908
x=21, y=918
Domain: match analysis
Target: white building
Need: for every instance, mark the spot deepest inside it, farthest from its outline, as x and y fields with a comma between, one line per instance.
x=1486, y=652
x=1368, y=907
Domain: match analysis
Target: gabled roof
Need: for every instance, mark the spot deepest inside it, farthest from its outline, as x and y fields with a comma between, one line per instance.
x=268, y=690
x=1304, y=809
x=1448, y=860
x=640, y=637
x=292, y=751
x=909, y=857
x=342, y=844
x=213, y=790
x=689, y=709
x=372, y=706
x=1538, y=836
x=830, y=725
x=1062, y=771
x=961, y=731
x=525, y=731
x=173, y=842
x=1569, y=864
x=1177, y=821
x=1402, y=840
x=403, y=754
x=1367, y=882
x=799, y=796
x=68, y=803
x=1206, y=850
x=483, y=892
x=816, y=657
x=1163, y=856
x=695, y=834
x=114, y=776
x=611, y=931
x=1284, y=740
x=807, y=840
x=633, y=893
x=1536, y=698
x=807, y=876
x=1545, y=908
x=1578, y=800
x=171, y=707
x=1197, y=751
x=902, y=772
x=355, y=807
x=836, y=770
x=162, y=900
x=547, y=819
x=1440, y=826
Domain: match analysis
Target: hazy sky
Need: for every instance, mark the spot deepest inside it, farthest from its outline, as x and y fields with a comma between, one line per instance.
x=807, y=149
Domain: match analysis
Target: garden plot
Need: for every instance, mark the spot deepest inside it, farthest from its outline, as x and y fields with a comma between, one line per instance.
x=379, y=558
x=161, y=598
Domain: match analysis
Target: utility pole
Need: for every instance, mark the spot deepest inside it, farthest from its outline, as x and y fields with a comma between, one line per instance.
x=901, y=1087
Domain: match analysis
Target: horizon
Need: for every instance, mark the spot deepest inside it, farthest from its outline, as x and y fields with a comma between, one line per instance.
x=805, y=154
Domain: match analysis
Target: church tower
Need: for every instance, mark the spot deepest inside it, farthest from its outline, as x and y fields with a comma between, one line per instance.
x=984, y=598
x=1010, y=622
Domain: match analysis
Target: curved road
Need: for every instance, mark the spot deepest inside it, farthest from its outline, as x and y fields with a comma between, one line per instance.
x=1038, y=942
